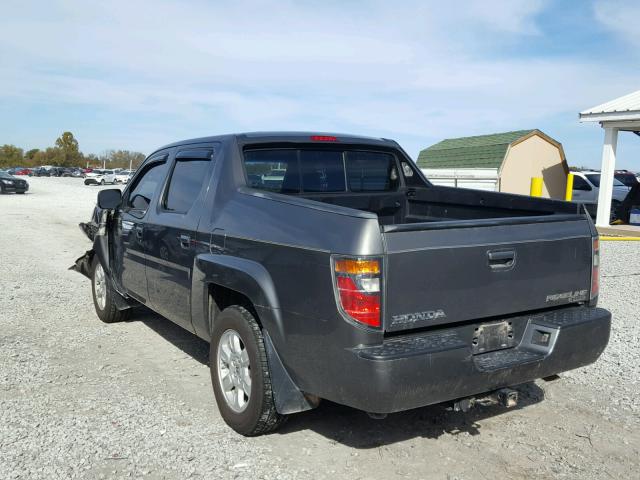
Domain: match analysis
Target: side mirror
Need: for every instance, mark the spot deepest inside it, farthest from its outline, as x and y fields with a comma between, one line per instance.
x=109, y=199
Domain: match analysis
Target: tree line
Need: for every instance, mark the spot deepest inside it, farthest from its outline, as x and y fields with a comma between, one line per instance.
x=66, y=153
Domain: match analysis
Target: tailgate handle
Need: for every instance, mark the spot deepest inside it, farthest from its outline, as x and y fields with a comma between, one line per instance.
x=502, y=259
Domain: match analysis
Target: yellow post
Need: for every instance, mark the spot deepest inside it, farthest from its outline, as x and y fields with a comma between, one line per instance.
x=536, y=186
x=568, y=195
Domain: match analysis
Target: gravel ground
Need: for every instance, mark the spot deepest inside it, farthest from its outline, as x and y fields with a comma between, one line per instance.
x=80, y=399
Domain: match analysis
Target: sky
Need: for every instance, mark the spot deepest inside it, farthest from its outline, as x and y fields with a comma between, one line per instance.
x=137, y=75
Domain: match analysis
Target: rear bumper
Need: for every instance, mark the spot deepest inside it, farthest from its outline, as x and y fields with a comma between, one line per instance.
x=411, y=371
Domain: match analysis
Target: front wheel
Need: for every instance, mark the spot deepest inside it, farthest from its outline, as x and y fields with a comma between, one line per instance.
x=102, y=182
x=240, y=374
x=103, y=294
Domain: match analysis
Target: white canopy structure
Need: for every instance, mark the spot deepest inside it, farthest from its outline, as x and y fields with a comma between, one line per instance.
x=621, y=114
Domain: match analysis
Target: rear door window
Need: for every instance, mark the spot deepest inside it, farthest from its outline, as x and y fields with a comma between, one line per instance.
x=187, y=178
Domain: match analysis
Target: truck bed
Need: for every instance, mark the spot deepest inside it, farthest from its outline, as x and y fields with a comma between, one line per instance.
x=438, y=204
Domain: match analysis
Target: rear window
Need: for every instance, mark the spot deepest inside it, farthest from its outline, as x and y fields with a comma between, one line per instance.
x=320, y=171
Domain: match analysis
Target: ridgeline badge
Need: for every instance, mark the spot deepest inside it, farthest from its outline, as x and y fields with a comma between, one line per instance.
x=572, y=296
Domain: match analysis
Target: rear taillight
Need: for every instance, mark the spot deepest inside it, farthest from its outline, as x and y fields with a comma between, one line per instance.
x=357, y=284
x=595, y=271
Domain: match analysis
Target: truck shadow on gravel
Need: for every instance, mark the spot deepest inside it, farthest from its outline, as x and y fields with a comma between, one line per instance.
x=351, y=427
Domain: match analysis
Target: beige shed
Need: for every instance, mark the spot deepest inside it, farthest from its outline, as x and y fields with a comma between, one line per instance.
x=502, y=162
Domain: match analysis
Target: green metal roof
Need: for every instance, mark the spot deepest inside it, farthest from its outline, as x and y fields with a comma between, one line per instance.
x=483, y=151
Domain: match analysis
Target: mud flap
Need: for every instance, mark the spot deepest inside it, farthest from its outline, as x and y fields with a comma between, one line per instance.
x=288, y=398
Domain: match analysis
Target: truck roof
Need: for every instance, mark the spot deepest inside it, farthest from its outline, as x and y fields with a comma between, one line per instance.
x=246, y=138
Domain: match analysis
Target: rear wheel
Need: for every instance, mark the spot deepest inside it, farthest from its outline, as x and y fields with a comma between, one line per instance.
x=103, y=296
x=240, y=374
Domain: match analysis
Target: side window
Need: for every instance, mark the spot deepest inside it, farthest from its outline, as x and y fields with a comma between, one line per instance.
x=580, y=184
x=140, y=195
x=186, y=181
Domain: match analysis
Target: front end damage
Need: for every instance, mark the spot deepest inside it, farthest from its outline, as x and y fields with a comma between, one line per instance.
x=93, y=229
x=97, y=230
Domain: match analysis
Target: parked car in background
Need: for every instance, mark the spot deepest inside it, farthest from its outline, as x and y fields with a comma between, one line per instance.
x=11, y=184
x=100, y=177
x=123, y=176
x=72, y=172
x=586, y=189
x=41, y=172
x=20, y=171
x=626, y=177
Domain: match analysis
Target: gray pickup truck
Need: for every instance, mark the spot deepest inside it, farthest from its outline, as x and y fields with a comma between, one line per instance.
x=327, y=267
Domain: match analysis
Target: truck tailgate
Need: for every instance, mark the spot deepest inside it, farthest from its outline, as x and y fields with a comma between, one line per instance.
x=448, y=272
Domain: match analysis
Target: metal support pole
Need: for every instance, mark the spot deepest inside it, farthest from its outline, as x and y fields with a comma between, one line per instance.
x=606, y=176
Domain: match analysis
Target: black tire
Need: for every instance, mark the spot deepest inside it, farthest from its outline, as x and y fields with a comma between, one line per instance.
x=260, y=415
x=102, y=182
x=615, y=210
x=109, y=313
x=20, y=193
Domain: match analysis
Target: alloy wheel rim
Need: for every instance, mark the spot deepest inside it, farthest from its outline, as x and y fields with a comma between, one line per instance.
x=234, y=370
x=100, y=286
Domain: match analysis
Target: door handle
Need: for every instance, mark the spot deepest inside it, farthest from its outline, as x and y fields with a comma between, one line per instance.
x=139, y=231
x=501, y=259
x=185, y=240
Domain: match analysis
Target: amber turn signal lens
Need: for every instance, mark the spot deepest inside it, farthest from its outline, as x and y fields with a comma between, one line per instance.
x=357, y=267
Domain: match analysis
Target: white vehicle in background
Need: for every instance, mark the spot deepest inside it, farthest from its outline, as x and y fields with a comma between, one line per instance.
x=123, y=176
x=586, y=188
x=100, y=177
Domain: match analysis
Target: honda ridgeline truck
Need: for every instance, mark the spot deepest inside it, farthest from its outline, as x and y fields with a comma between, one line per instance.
x=328, y=267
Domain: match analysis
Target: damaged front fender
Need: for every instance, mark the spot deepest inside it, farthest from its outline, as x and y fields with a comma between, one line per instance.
x=97, y=230
x=83, y=264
